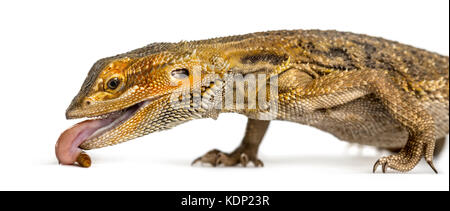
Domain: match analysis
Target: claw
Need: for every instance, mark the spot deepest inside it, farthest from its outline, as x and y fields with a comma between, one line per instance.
x=220, y=156
x=384, y=167
x=258, y=163
x=432, y=166
x=196, y=160
x=244, y=160
x=375, y=166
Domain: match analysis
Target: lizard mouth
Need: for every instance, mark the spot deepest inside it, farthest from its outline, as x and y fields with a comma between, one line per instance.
x=68, y=145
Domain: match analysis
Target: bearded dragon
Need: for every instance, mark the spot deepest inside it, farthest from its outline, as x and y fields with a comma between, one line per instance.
x=361, y=89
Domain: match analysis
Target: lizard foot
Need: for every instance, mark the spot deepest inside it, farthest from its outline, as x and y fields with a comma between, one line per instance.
x=401, y=162
x=216, y=157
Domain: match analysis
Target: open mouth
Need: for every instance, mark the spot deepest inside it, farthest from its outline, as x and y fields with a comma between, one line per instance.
x=67, y=146
x=114, y=119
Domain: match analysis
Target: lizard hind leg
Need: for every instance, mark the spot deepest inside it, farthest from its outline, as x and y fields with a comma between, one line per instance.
x=342, y=87
x=406, y=109
x=246, y=152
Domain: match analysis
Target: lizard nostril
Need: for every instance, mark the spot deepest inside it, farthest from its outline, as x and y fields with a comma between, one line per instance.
x=87, y=102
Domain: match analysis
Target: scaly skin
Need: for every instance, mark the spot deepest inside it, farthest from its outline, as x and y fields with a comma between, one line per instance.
x=359, y=88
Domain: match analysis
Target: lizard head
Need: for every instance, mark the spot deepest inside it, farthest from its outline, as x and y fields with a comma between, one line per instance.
x=140, y=92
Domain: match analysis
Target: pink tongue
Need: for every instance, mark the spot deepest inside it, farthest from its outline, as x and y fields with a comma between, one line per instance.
x=67, y=149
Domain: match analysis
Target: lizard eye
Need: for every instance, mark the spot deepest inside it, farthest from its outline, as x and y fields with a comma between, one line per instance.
x=113, y=83
x=180, y=73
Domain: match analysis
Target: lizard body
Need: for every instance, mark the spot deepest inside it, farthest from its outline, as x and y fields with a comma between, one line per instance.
x=359, y=88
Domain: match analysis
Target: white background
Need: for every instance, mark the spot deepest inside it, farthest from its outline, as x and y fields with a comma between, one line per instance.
x=47, y=48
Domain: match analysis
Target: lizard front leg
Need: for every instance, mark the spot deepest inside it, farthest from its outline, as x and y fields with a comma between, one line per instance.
x=338, y=88
x=245, y=152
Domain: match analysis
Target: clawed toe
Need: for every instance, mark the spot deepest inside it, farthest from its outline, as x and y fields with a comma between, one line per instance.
x=210, y=157
x=226, y=160
x=244, y=160
x=216, y=158
x=400, y=162
x=258, y=163
x=430, y=163
x=383, y=164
